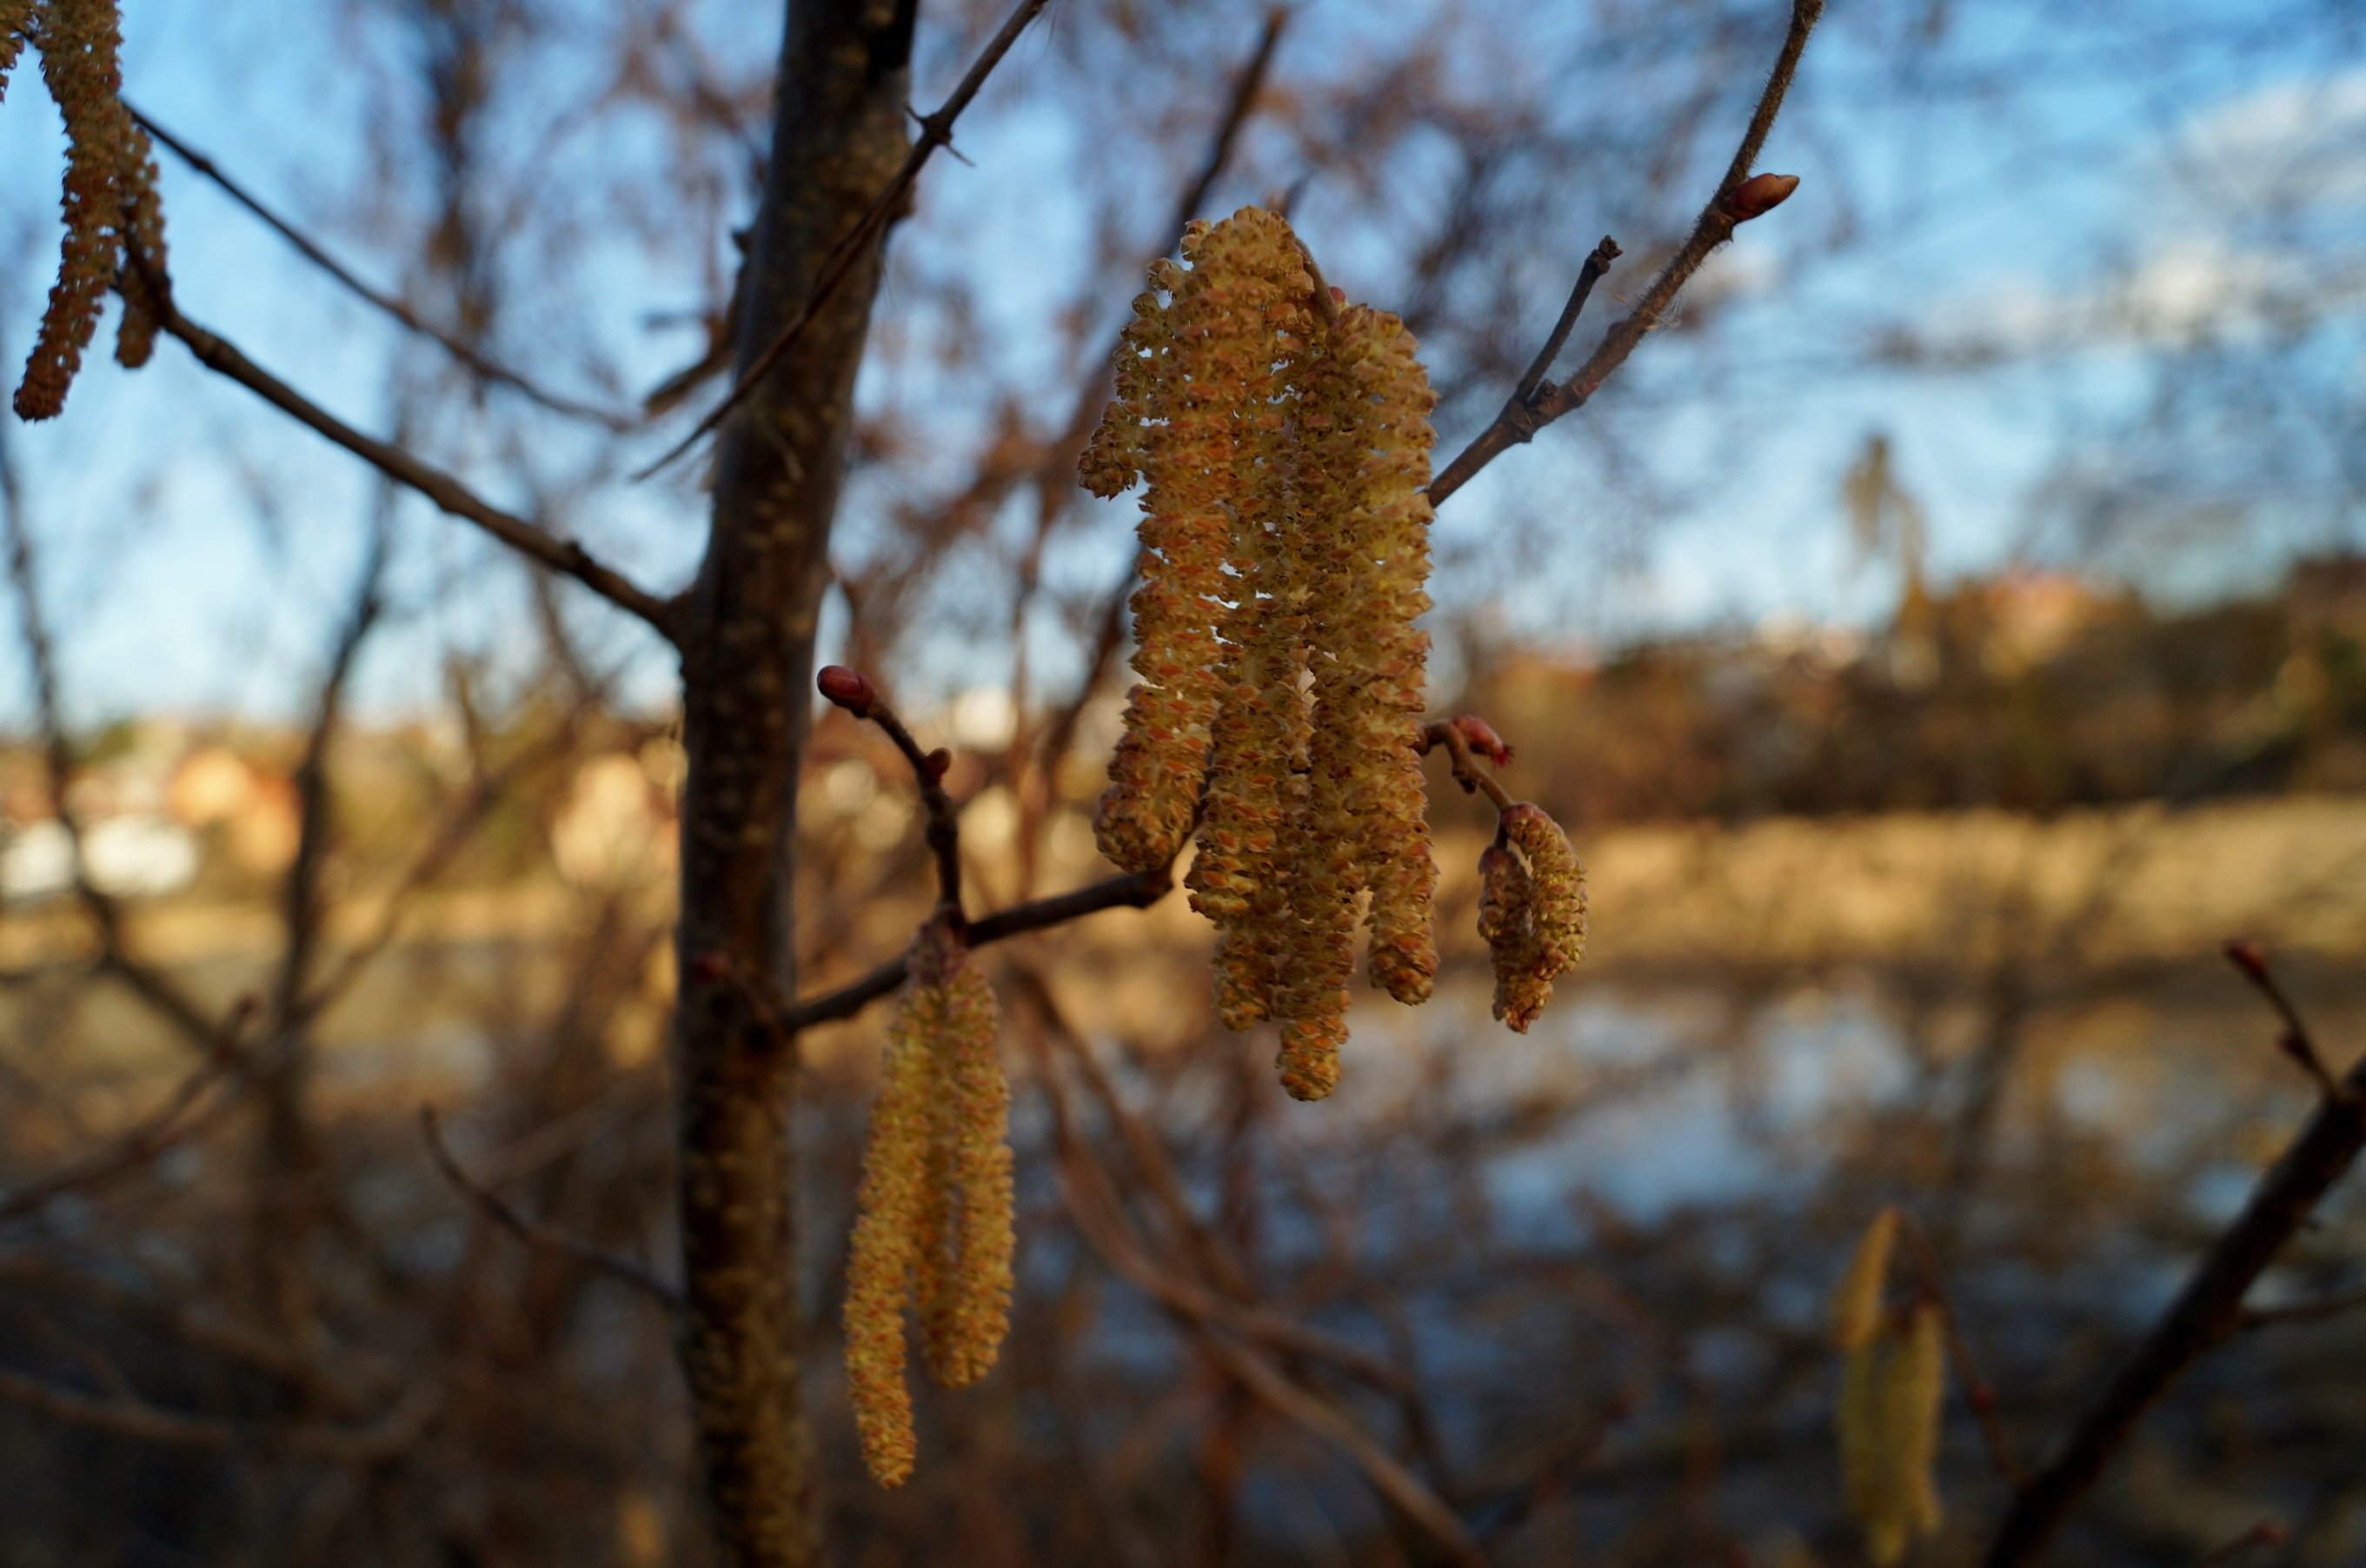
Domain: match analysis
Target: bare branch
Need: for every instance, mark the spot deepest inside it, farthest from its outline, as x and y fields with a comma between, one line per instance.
x=562, y=555
x=1524, y=416
x=1978, y=1392
x=134, y=1418
x=535, y=1233
x=2206, y=1313
x=857, y=694
x=936, y=130
x=1134, y=890
x=311, y=250
x=183, y=1111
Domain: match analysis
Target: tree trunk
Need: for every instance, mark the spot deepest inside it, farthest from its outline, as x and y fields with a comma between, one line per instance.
x=747, y=672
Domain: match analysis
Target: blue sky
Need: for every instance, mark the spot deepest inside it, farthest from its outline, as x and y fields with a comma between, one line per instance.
x=2085, y=215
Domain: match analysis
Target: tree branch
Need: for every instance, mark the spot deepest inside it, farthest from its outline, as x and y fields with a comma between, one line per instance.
x=477, y=362
x=2206, y=1313
x=535, y=1234
x=936, y=130
x=1523, y=416
x=564, y=557
x=1134, y=890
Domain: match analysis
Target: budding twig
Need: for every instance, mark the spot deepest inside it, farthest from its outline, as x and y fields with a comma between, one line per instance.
x=1455, y=735
x=2251, y=960
x=1978, y=1392
x=535, y=1233
x=1738, y=197
x=854, y=693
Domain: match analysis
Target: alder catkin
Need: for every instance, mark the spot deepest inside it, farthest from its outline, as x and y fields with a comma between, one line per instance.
x=1369, y=524
x=1285, y=536
x=1531, y=911
x=1893, y=1384
x=114, y=223
x=1153, y=431
x=1245, y=333
x=933, y=1222
x=1857, y=1300
x=15, y=30
x=971, y=1311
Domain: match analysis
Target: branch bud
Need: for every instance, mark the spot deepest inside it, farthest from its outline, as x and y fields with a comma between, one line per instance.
x=847, y=688
x=1481, y=736
x=1758, y=196
x=2250, y=958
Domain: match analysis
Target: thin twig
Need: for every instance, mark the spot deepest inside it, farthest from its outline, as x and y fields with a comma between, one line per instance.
x=2303, y=1311
x=153, y=985
x=2266, y=1533
x=1978, y=1392
x=1464, y=764
x=936, y=130
x=1597, y=265
x=312, y=251
x=535, y=1233
x=183, y=1112
x=858, y=695
x=562, y=555
x=2251, y=961
x=1133, y=890
x=1086, y=1189
x=1522, y=418
x=2204, y=1315
x=150, y=1423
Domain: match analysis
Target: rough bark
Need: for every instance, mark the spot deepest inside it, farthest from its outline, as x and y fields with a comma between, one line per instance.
x=748, y=636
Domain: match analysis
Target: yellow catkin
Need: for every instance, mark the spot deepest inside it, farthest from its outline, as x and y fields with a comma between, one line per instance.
x=1893, y=1385
x=970, y=1313
x=1286, y=549
x=1531, y=911
x=933, y=1222
x=114, y=223
x=889, y=1210
x=1156, y=432
x=1504, y=924
x=1857, y=1300
x=1370, y=528
x=15, y=31
x=1240, y=342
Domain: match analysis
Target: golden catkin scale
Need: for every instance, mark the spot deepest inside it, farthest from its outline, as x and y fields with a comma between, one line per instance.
x=114, y=225
x=933, y=1215
x=1292, y=450
x=1857, y=1300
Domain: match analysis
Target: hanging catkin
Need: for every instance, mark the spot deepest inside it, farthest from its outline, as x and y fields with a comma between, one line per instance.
x=1531, y=911
x=114, y=224
x=1893, y=1383
x=933, y=1215
x=1285, y=547
x=1857, y=1300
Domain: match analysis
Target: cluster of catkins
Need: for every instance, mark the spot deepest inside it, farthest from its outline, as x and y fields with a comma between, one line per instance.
x=1283, y=445
x=115, y=225
x=1893, y=1381
x=934, y=1221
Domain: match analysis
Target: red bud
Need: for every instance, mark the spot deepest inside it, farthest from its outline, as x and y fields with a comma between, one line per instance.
x=937, y=762
x=711, y=968
x=847, y=689
x=1481, y=736
x=1758, y=194
x=2250, y=957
